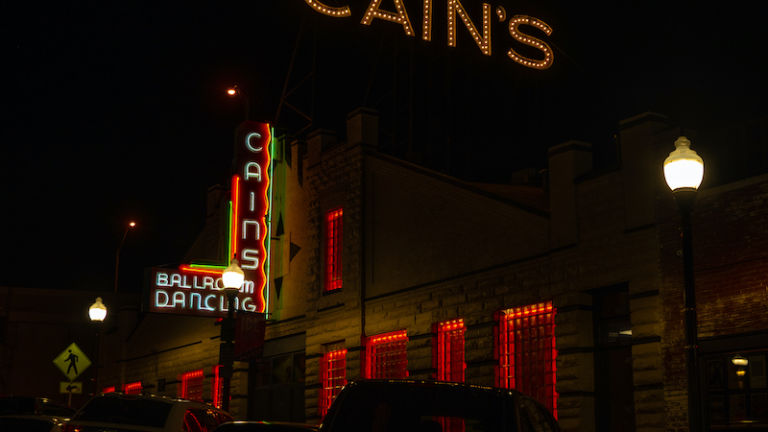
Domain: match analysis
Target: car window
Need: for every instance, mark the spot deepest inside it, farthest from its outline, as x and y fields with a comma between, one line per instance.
x=25, y=424
x=203, y=420
x=125, y=411
x=17, y=405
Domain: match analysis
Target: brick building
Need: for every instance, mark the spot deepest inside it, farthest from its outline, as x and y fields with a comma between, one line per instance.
x=569, y=292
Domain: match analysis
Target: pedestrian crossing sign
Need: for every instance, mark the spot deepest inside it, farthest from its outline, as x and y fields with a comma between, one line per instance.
x=72, y=362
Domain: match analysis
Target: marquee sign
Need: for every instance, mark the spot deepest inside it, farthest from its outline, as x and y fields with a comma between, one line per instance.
x=197, y=289
x=455, y=9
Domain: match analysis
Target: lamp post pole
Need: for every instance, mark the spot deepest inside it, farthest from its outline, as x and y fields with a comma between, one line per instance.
x=130, y=226
x=97, y=312
x=683, y=171
x=233, y=278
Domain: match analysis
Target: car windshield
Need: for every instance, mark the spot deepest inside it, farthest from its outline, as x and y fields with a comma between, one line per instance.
x=402, y=409
x=142, y=412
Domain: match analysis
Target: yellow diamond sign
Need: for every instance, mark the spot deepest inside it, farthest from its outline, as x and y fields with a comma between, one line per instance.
x=72, y=362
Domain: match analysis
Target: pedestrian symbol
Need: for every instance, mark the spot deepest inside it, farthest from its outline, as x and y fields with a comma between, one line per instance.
x=72, y=362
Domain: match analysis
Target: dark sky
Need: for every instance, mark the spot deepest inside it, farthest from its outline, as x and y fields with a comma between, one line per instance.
x=115, y=110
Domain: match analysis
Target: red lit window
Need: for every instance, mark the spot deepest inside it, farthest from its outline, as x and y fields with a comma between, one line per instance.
x=217, y=387
x=333, y=250
x=191, y=386
x=448, y=351
x=132, y=388
x=110, y=389
x=386, y=356
x=333, y=376
x=525, y=346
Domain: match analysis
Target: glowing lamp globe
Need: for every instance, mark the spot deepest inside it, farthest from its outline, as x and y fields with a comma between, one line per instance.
x=97, y=311
x=233, y=277
x=683, y=168
x=738, y=360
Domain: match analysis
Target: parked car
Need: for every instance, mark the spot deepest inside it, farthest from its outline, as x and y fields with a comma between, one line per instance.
x=32, y=414
x=265, y=426
x=409, y=405
x=121, y=412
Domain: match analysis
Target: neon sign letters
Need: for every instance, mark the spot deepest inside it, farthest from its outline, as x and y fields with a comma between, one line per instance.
x=197, y=289
x=455, y=8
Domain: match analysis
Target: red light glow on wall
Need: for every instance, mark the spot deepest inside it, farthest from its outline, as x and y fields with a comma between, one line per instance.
x=525, y=349
x=386, y=355
x=191, y=386
x=110, y=389
x=333, y=376
x=448, y=351
x=333, y=232
x=133, y=388
x=217, y=387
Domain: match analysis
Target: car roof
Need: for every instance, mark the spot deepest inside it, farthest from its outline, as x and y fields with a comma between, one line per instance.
x=442, y=385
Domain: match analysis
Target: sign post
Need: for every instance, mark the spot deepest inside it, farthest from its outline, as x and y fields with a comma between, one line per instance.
x=71, y=362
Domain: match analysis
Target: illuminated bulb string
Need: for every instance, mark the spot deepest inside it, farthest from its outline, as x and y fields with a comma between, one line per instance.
x=483, y=42
x=401, y=17
x=514, y=23
x=336, y=12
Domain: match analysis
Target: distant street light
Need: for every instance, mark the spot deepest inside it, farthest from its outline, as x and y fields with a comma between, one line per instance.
x=97, y=312
x=683, y=171
x=235, y=90
x=233, y=278
x=131, y=225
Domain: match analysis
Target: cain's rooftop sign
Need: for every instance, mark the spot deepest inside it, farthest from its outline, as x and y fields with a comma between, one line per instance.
x=455, y=9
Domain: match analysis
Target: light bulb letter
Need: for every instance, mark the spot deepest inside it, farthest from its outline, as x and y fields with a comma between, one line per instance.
x=331, y=11
x=514, y=30
x=483, y=42
x=426, y=29
x=399, y=17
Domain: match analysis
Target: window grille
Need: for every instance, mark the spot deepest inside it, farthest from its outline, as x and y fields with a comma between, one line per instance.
x=333, y=376
x=448, y=351
x=217, y=387
x=333, y=232
x=132, y=388
x=525, y=349
x=191, y=385
x=386, y=355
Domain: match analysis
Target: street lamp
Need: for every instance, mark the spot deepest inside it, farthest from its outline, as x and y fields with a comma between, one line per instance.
x=236, y=91
x=683, y=171
x=232, y=278
x=97, y=312
x=131, y=225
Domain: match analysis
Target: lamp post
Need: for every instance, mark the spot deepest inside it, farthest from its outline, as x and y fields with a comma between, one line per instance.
x=130, y=226
x=683, y=171
x=233, y=278
x=235, y=90
x=97, y=312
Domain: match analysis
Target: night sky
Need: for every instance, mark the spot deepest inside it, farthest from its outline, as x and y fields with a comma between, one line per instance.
x=115, y=111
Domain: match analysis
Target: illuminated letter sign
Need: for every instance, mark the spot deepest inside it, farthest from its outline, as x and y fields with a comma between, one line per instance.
x=197, y=289
x=454, y=8
x=250, y=204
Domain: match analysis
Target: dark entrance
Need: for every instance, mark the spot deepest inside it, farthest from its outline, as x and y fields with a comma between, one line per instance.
x=276, y=382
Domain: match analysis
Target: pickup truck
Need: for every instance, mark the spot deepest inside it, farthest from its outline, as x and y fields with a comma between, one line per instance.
x=430, y=406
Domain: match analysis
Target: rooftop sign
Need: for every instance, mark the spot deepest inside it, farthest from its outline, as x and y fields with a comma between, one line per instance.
x=482, y=37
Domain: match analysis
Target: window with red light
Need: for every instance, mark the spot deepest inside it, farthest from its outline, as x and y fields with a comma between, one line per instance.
x=217, y=387
x=525, y=348
x=333, y=376
x=110, y=389
x=333, y=231
x=386, y=355
x=191, y=385
x=448, y=351
x=132, y=388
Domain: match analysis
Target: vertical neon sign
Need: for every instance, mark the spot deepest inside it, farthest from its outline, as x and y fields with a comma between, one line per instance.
x=250, y=206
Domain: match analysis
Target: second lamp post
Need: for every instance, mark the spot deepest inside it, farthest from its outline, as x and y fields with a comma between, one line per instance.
x=233, y=278
x=683, y=171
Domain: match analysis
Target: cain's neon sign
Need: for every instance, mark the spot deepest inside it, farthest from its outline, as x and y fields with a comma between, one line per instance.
x=455, y=9
x=197, y=288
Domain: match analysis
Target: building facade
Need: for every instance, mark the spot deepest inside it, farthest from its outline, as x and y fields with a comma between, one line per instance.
x=570, y=292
